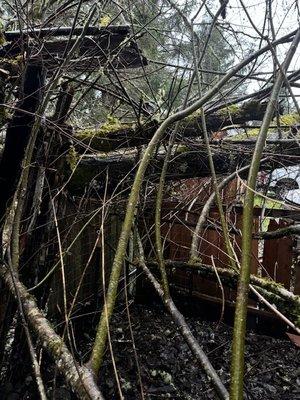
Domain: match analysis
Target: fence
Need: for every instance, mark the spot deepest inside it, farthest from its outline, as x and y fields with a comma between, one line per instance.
x=273, y=258
x=276, y=259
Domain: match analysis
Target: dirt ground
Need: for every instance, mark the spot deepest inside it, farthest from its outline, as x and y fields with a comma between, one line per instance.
x=168, y=370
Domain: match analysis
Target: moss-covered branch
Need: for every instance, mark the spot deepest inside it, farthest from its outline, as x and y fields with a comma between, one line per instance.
x=184, y=163
x=279, y=300
x=238, y=343
x=113, y=134
x=279, y=233
x=281, y=297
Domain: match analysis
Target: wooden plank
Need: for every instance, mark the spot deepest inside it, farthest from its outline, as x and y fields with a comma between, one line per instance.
x=284, y=259
x=270, y=253
x=296, y=255
x=179, y=238
x=208, y=247
x=278, y=256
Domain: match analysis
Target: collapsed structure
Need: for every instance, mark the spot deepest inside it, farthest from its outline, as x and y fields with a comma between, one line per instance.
x=74, y=171
x=105, y=158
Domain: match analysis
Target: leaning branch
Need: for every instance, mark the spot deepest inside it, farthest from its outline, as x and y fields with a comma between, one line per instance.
x=80, y=379
x=238, y=343
x=184, y=329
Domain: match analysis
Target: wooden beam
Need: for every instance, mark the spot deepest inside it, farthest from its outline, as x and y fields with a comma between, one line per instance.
x=19, y=130
x=66, y=31
x=97, y=48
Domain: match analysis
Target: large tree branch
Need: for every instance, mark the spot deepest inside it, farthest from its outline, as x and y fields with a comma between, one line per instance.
x=184, y=163
x=286, y=303
x=118, y=135
x=230, y=275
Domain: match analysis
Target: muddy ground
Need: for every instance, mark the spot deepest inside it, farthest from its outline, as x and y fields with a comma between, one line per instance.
x=168, y=370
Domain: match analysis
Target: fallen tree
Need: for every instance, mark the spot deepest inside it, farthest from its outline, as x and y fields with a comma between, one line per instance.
x=285, y=300
x=113, y=134
x=186, y=162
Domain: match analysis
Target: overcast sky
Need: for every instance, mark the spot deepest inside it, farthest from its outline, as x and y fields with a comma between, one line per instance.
x=285, y=20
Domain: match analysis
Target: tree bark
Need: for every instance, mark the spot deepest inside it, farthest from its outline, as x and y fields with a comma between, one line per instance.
x=79, y=378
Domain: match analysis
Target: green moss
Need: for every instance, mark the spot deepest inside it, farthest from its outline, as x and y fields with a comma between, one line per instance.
x=289, y=119
x=17, y=60
x=292, y=311
x=182, y=149
x=72, y=158
x=92, y=133
x=251, y=133
x=97, y=137
x=271, y=283
x=229, y=110
x=110, y=126
x=105, y=20
x=2, y=39
x=194, y=261
x=260, y=201
x=192, y=117
x=56, y=346
x=288, y=308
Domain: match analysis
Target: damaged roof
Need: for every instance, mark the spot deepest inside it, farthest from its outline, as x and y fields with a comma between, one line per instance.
x=109, y=46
